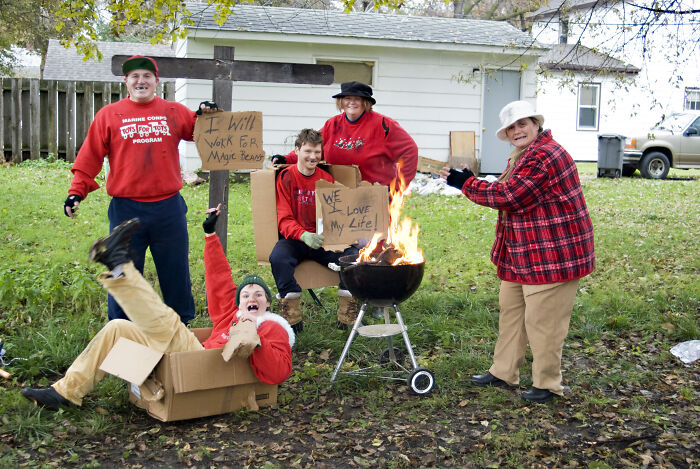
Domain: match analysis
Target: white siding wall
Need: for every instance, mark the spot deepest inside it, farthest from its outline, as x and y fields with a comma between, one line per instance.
x=559, y=107
x=416, y=87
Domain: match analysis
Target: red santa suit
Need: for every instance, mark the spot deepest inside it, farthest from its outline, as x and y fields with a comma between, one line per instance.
x=272, y=361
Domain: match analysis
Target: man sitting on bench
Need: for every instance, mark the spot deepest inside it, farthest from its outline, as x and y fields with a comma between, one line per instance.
x=296, y=222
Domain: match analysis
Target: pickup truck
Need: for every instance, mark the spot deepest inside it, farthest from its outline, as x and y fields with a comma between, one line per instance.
x=672, y=143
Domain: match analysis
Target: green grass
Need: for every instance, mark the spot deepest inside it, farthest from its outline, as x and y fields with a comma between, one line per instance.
x=643, y=298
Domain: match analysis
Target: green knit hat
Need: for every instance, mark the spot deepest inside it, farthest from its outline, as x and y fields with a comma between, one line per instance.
x=249, y=280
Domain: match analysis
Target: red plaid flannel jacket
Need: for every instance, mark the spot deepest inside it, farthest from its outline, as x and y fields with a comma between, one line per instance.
x=544, y=233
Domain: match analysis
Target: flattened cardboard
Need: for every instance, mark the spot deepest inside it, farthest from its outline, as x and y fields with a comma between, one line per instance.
x=427, y=165
x=130, y=361
x=346, y=214
x=462, y=150
x=308, y=274
x=462, y=143
x=230, y=140
x=187, y=385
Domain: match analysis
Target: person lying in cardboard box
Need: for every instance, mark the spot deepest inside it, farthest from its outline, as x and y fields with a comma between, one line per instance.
x=296, y=223
x=242, y=322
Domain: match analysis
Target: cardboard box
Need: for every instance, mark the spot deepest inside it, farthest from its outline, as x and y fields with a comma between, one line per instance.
x=186, y=385
x=308, y=274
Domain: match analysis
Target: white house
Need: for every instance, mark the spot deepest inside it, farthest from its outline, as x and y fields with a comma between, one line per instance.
x=412, y=63
x=590, y=93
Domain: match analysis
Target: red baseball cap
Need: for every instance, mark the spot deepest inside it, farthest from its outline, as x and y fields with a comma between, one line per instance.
x=137, y=62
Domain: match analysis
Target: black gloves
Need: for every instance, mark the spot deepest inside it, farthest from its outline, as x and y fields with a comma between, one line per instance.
x=457, y=178
x=278, y=159
x=209, y=224
x=209, y=104
x=71, y=205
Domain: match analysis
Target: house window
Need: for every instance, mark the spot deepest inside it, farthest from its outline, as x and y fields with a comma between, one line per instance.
x=692, y=99
x=588, y=106
x=350, y=71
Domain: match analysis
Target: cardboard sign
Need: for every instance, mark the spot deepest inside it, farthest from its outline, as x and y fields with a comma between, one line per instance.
x=230, y=140
x=345, y=214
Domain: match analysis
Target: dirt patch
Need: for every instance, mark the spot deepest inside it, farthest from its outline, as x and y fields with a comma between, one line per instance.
x=383, y=425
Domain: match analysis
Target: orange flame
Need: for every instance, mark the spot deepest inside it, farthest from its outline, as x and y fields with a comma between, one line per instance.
x=402, y=236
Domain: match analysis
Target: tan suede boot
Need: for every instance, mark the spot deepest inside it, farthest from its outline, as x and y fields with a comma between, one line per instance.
x=347, y=309
x=290, y=309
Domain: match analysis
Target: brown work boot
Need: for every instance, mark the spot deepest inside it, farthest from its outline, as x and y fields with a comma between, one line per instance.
x=290, y=309
x=347, y=309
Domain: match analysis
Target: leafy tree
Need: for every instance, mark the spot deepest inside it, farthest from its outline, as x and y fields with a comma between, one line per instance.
x=28, y=24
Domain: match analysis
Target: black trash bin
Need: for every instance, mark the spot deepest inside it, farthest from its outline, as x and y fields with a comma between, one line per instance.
x=610, y=150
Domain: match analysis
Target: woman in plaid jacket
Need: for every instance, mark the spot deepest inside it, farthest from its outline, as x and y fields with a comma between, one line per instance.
x=543, y=246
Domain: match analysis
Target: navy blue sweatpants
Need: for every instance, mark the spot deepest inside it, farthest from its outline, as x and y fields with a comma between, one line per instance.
x=288, y=253
x=163, y=230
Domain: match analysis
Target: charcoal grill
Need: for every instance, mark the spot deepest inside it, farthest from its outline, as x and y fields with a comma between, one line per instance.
x=385, y=286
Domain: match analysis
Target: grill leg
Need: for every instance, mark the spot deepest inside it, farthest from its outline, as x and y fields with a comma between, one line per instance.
x=351, y=337
x=405, y=337
x=389, y=341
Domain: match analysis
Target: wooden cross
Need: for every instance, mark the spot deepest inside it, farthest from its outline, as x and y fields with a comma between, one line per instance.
x=224, y=70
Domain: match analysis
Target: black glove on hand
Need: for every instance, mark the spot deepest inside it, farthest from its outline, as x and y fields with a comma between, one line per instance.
x=278, y=159
x=457, y=178
x=70, y=204
x=209, y=104
x=210, y=223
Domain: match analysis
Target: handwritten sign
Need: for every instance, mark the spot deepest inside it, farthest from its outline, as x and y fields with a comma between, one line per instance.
x=347, y=214
x=230, y=140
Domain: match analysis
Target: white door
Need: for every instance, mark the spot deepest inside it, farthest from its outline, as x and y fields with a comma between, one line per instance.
x=500, y=88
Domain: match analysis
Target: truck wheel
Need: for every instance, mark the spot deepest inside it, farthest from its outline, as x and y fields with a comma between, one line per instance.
x=628, y=171
x=654, y=165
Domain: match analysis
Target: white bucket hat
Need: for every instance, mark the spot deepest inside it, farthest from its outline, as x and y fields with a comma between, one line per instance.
x=513, y=112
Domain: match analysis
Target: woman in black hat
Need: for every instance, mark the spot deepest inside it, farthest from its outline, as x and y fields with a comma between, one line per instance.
x=377, y=144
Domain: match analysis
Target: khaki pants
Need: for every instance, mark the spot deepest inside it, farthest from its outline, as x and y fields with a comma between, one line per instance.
x=152, y=324
x=539, y=314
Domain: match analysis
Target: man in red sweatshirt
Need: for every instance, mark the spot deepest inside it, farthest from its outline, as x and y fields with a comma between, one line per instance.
x=140, y=135
x=296, y=222
x=157, y=326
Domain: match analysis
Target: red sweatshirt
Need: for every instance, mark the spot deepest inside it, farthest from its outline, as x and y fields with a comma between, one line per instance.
x=140, y=140
x=272, y=361
x=375, y=143
x=296, y=201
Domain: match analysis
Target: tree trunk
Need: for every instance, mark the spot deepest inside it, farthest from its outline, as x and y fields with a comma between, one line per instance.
x=458, y=9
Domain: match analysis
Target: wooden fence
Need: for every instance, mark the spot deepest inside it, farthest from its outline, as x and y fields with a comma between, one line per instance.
x=42, y=117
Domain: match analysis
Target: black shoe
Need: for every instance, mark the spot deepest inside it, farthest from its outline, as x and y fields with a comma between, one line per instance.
x=488, y=379
x=114, y=249
x=46, y=397
x=537, y=395
x=298, y=327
